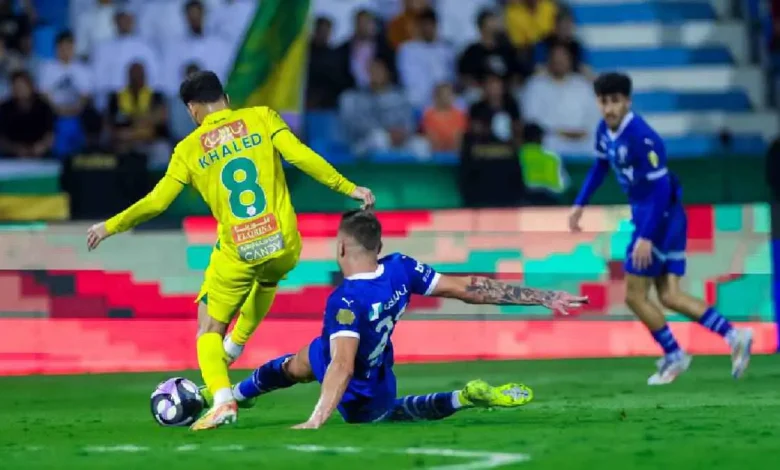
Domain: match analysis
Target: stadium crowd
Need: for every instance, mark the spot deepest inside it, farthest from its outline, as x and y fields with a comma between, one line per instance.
x=412, y=75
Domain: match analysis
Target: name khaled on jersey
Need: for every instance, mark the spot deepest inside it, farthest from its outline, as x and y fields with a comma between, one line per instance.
x=225, y=141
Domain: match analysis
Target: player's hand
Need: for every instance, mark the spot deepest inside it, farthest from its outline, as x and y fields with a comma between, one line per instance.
x=560, y=301
x=574, y=219
x=365, y=196
x=96, y=234
x=310, y=424
x=642, y=256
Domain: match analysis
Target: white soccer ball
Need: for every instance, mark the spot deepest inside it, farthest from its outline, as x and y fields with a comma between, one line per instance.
x=176, y=402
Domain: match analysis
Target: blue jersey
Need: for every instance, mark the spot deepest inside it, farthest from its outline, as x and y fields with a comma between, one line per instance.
x=637, y=155
x=368, y=306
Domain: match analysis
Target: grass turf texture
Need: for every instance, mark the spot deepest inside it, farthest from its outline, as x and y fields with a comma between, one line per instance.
x=586, y=414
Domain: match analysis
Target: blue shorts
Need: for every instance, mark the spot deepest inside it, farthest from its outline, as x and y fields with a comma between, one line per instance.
x=669, y=244
x=365, y=401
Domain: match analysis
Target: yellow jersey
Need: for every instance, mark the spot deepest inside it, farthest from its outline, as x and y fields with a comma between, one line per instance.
x=233, y=159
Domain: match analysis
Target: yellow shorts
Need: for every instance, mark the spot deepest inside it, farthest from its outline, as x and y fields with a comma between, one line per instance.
x=228, y=284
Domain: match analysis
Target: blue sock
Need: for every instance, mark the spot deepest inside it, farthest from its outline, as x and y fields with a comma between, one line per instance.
x=429, y=407
x=665, y=339
x=264, y=379
x=716, y=322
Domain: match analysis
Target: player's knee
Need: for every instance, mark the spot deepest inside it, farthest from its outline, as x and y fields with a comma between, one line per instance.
x=635, y=299
x=297, y=370
x=669, y=299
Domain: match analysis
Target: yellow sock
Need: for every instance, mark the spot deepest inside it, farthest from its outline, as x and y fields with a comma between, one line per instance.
x=255, y=308
x=213, y=362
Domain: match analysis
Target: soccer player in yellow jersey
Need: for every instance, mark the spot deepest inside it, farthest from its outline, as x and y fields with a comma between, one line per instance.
x=233, y=160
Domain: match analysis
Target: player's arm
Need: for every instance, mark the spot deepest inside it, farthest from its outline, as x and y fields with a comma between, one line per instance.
x=150, y=206
x=334, y=384
x=592, y=182
x=653, y=169
x=483, y=290
x=308, y=161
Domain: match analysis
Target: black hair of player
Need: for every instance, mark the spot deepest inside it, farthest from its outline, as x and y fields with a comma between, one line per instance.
x=428, y=15
x=364, y=227
x=201, y=87
x=533, y=133
x=22, y=74
x=613, y=83
x=484, y=16
x=63, y=36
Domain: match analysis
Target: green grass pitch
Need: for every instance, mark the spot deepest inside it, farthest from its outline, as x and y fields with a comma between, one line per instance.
x=586, y=414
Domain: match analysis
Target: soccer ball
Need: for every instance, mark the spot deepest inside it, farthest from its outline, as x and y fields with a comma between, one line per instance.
x=176, y=402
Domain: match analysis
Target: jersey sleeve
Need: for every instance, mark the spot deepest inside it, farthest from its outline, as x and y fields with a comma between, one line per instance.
x=423, y=277
x=177, y=168
x=342, y=317
x=152, y=205
x=600, y=143
x=304, y=158
x=648, y=156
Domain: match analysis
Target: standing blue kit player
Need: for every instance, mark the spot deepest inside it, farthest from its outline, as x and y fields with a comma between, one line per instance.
x=353, y=358
x=656, y=254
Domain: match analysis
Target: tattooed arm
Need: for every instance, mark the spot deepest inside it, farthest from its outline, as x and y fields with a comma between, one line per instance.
x=482, y=290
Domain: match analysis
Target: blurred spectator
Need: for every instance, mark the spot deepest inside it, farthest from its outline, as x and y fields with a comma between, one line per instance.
x=562, y=103
x=30, y=61
x=95, y=25
x=443, y=123
x=458, y=20
x=497, y=116
x=10, y=61
x=564, y=35
x=197, y=46
x=342, y=13
x=379, y=118
x=161, y=20
x=113, y=57
x=13, y=26
x=64, y=81
x=137, y=117
x=388, y=9
x=327, y=77
x=181, y=122
x=26, y=120
x=357, y=54
x=403, y=27
x=529, y=21
x=231, y=19
x=425, y=61
x=544, y=175
x=491, y=55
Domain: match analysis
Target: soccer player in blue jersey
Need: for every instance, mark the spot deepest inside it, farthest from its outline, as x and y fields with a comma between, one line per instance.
x=656, y=254
x=353, y=358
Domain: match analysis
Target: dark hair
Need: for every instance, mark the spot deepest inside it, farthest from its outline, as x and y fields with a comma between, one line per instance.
x=63, y=36
x=612, y=83
x=323, y=21
x=363, y=12
x=364, y=227
x=428, y=14
x=533, y=133
x=22, y=74
x=483, y=17
x=201, y=87
x=193, y=4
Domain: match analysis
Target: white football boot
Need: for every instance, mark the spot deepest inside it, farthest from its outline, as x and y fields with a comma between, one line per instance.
x=741, y=345
x=669, y=367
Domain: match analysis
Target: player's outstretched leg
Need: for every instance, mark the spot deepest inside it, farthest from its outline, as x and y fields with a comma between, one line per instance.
x=675, y=361
x=740, y=340
x=476, y=393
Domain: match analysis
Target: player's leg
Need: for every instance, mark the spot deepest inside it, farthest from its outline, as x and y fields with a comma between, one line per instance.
x=251, y=313
x=672, y=248
x=639, y=281
x=477, y=393
x=740, y=340
x=225, y=286
x=282, y=372
x=258, y=303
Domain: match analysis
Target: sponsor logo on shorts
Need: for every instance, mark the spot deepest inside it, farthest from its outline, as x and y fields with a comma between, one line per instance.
x=257, y=228
x=223, y=134
x=262, y=248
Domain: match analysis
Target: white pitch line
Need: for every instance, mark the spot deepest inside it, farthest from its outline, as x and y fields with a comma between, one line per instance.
x=118, y=448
